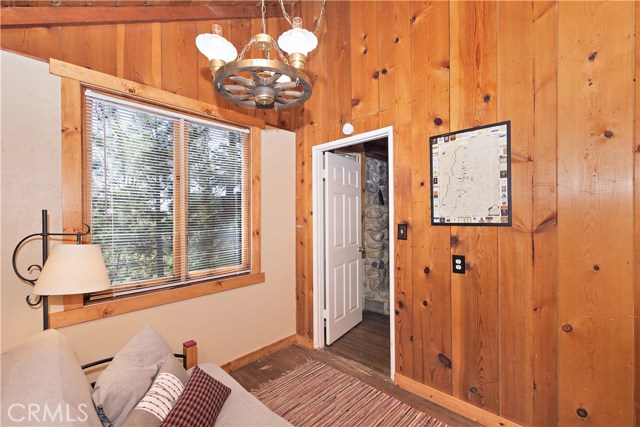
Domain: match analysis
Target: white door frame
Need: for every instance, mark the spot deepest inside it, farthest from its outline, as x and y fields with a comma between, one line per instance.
x=318, y=233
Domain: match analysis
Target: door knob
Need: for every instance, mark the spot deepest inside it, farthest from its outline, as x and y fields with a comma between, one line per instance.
x=360, y=249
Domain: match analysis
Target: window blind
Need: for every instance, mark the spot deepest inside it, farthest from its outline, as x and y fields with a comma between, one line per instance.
x=168, y=195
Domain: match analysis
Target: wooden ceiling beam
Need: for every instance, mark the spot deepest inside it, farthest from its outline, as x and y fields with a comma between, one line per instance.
x=13, y=17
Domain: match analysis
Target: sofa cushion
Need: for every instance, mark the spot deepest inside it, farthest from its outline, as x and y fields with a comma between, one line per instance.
x=241, y=408
x=200, y=402
x=161, y=397
x=128, y=377
x=43, y=384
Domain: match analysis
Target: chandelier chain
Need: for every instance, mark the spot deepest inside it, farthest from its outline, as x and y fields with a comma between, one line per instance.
x=246, y=48
x=281, y=53
x=285, y=14
x=264, y=20
x=288, y=18
x=319, y=21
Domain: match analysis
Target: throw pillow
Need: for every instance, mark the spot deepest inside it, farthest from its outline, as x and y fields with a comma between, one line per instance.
x=161, y=397
x=200, y=402
x=128, y=377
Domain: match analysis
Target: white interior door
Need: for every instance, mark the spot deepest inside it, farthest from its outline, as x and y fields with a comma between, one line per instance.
x=344, y=265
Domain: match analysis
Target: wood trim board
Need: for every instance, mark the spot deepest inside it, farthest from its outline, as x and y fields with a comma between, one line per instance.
x=127, y=305
x=43, y=16
x=454, y=404
x=71, y=130
x=241, y=361
x=132, y=89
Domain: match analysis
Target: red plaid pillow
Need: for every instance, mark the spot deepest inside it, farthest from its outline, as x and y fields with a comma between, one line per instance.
x=200, y=402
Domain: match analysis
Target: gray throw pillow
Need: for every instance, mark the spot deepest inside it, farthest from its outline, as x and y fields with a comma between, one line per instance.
x=161, y=397
x=128, y=377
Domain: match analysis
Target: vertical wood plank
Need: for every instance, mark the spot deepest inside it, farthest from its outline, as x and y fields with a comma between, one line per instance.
x=120, y=50
x=326, y=68
x=474, y=296
x=307, y=135
x=431, y=248
x=304, y=312
x=515, y=249
x=141, y=54
x=337, y=44
x=394, y=39
x=394, y=42
x=179, y=62
x=364, y=58
x=71, y=138
x=92, y=47
x=636, y=397
x=256, y=200
x=595, y=212
x=545, y=260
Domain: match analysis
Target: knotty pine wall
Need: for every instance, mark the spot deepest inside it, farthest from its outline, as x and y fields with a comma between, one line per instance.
x=563, y=73
x=163, y=55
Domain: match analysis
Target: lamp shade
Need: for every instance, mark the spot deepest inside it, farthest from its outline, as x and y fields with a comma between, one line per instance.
x=214, y=46
x=73, y=269
x=297, y=39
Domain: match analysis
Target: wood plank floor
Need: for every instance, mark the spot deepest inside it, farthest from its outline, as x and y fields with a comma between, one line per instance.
x=275, y=365
x=367, y=343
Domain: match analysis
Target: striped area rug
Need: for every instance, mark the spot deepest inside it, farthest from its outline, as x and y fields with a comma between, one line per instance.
x=318, y=395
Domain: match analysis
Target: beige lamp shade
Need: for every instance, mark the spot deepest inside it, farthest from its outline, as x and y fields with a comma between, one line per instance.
x=73, y=269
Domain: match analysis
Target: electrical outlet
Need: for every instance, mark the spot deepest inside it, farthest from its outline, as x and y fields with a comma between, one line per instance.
x=457, y=264
x=402, y=231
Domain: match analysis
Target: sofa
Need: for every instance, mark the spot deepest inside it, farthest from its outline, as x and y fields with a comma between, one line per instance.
x=43, y=384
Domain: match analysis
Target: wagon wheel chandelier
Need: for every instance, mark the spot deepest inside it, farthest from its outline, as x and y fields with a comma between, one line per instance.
x=265, y=83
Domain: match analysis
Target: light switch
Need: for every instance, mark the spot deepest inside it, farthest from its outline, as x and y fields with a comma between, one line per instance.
x=402, y=231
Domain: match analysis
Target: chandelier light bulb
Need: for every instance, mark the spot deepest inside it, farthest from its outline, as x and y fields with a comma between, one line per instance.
x=215, y=47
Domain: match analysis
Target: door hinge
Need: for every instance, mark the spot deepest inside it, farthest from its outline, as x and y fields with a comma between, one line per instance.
x=325, y=174
x=325, y=314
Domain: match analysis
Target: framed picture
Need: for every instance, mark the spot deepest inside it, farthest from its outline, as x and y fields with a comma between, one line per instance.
x=471, y=176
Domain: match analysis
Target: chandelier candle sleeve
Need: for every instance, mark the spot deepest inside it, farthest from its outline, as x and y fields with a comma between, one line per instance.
x=298, y=42
x=216, y=48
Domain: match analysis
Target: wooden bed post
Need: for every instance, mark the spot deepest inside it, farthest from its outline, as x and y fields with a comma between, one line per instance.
x=190, y=351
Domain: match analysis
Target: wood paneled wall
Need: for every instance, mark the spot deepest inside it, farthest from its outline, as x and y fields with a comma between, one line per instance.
x=547, y=319
x=162, y=55
x=563, y=73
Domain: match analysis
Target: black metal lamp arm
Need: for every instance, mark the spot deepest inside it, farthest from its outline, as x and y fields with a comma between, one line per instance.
x=45, y=253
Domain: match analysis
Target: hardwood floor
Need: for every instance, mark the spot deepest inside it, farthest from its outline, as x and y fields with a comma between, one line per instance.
x=275, y=365
x=367, y=343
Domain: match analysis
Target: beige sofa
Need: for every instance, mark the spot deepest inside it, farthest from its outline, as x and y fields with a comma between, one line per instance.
x=43, y=384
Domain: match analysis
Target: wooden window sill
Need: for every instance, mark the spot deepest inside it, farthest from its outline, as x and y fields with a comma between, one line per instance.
x=126, y=305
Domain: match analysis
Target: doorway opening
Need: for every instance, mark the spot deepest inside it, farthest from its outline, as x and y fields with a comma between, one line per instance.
x=353, y=248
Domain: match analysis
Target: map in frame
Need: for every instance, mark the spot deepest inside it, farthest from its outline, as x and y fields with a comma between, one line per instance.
x=471, y=176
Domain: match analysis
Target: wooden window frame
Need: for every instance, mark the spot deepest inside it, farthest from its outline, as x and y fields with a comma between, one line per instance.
x=73, y=80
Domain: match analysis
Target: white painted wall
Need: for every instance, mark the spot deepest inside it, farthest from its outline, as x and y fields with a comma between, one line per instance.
x=225, y=325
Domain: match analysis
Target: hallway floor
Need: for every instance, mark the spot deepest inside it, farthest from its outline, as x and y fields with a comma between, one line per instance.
x=367, y=343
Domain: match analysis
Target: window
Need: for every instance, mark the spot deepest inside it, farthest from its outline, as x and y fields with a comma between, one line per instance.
x=167, y=195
